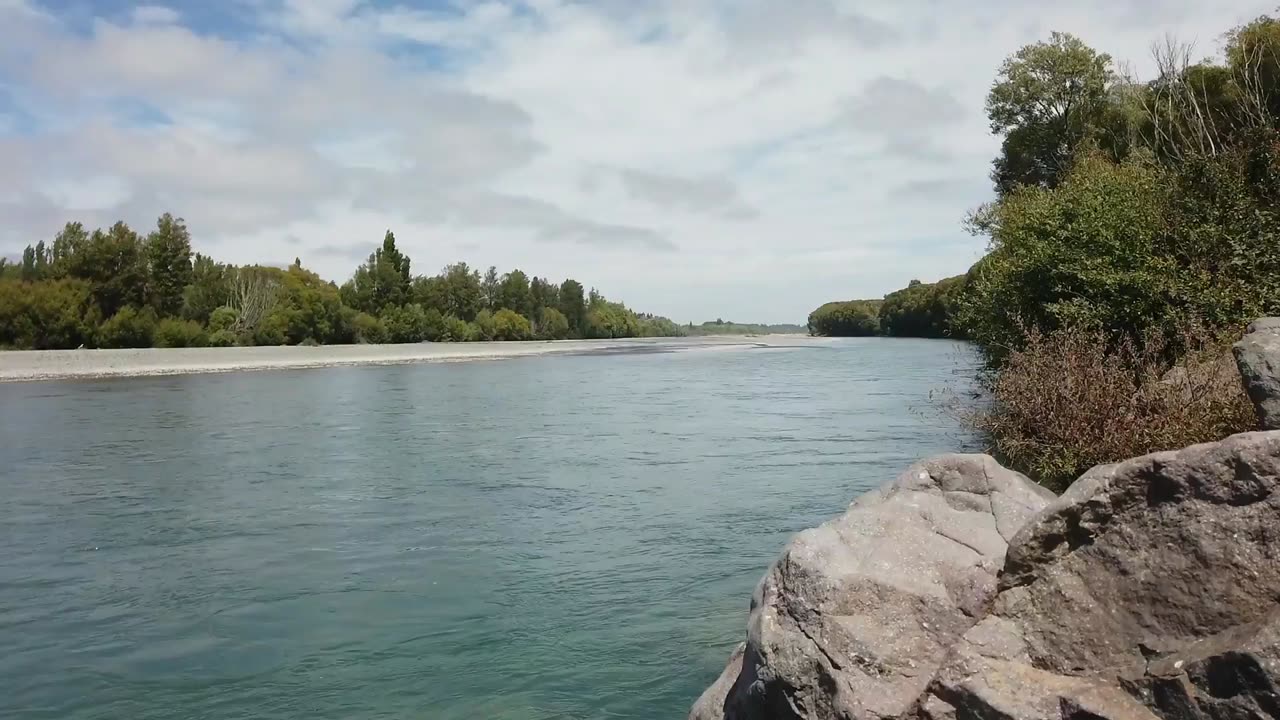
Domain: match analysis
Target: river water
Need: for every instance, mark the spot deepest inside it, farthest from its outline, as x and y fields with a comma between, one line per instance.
x=556, y=537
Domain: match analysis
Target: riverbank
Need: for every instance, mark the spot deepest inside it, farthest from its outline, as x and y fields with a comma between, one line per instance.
x=24, y=366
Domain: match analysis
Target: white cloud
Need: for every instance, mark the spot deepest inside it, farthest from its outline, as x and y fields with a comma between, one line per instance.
x=155, y=15
x=699, y=158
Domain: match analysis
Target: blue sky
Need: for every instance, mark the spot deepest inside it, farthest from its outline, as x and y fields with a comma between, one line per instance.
x=746, y=159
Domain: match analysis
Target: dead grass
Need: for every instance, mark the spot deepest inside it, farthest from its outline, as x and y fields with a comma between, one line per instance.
x=1072, y=400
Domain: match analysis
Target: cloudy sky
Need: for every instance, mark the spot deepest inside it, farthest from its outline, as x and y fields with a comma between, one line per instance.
x=746, y=159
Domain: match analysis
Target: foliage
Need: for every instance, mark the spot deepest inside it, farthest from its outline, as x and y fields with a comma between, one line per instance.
x=1048, y=98
x=50, y=315
x=924, y=309
x=725, y=327
x=368, y=329
x=155, y=289
x=174, y=333
x=1073, y=399
x=128, y=328
x=511, y=325
x=552, y=325
x=168, y=257
x=853, y=318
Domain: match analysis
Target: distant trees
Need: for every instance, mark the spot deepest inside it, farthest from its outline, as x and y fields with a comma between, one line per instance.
x=853, y=318
x=114, y=288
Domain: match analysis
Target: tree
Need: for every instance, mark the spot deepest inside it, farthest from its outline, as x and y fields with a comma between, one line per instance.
x=489, y=288
x=168, y=251
x=513, y=292
x=384, y=279
x=854, y=318
x=254, y=294
x=29, y=264
x=461, y=292
x=574, y=307
x=552, y=324
x=115, y=267
x=510, y=325
x=1048, y=98
x=542, y=294
x=210, y=288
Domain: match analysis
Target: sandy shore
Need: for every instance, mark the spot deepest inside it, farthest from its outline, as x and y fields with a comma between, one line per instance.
x=17, y=366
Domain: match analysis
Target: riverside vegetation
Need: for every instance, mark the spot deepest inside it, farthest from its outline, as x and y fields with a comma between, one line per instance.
x=116, y=289
x=1133, y=236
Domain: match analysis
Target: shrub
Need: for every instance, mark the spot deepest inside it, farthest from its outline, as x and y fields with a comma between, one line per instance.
x=454, y=329
x=174, y=333
x=1071, y=400
x=222, y=338
x=128, y=328
x=368, y=329
x=511, y=325
x=224, y=318
x=553, y=325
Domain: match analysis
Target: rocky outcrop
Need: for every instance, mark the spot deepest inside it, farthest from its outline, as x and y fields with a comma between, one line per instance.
x=1150, y=589
x=856, y=617
x=1258, y=357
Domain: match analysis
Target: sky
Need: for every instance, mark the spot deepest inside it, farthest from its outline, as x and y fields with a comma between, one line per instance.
x=741, y=159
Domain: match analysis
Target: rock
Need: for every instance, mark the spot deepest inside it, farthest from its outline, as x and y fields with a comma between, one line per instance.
x=856, y=616
x=1258, y=358
x=1151, y=588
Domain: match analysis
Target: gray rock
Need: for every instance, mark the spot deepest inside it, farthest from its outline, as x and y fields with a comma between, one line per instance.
x=1258, y=358
x=855, y=618
x=1150, y=588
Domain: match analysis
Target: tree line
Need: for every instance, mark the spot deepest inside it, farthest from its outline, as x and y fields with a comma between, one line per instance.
x=1136, y=227
x=925, y=310
x=115, y=288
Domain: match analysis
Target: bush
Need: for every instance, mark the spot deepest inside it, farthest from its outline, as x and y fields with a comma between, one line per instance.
x=453, y=329
x=511, y=325
x=368, y=329
x=174, y=333
x=224, y=318
x=1068, y=401
x=273, y=330
x=483, y=327
x=222, y=338
x=128, y=328
x=553, y=325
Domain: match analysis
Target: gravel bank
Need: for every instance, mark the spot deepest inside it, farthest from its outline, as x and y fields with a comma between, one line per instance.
x=68, y=364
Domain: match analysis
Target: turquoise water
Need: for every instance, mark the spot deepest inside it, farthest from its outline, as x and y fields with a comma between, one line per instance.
x=559, y=537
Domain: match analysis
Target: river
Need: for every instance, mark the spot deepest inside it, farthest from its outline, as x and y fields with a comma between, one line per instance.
x=552, y=537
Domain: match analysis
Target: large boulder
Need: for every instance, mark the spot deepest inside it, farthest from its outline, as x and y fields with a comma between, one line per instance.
x=856, y=616
x=1258, y=357
x=1151, y=588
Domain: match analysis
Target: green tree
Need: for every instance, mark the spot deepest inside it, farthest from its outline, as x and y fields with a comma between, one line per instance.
x=489, y=288
x=168, y=256
x=175, y=333
x=49, y=315
x=574, y=307
x=210, y=289
x=513, y=292
x=384, y=279
x=510, y=325
x=113, y=264
x=1048, y=98
x=853, y=318
x=128, y=328
x=552, y=324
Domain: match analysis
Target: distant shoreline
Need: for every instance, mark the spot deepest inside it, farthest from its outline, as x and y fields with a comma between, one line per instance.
x=47, y=365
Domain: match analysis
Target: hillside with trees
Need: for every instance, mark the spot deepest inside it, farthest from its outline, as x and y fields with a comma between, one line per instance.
x=1135, y=230
x=115, y=288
